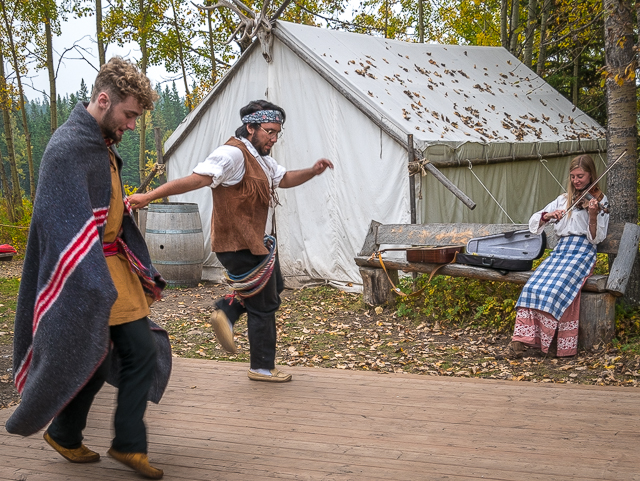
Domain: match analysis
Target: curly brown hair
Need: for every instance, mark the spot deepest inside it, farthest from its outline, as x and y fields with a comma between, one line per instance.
x=120, y=78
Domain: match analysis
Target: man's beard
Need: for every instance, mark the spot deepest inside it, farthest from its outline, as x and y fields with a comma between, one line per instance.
x=108, y=128
x=262, y=150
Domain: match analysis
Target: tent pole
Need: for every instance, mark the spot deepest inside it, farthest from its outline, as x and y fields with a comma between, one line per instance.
x=412, y=182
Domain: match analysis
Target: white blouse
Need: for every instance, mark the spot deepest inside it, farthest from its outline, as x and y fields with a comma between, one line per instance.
x=574, y=223
x=225, y=166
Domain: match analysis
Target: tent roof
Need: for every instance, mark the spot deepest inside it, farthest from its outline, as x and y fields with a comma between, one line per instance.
x=448, y=94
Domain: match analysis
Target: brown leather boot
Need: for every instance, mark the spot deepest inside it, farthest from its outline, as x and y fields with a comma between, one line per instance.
x=79, y=455
x=138, y=462
x=514, y=350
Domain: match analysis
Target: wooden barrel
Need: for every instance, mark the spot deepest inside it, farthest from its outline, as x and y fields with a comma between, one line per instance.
x=141, y=219
x=173, y=233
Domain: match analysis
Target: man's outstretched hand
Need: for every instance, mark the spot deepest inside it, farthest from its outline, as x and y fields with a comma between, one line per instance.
x=321, y=165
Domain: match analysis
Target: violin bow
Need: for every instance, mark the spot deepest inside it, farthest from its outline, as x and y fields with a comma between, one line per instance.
x=586, y=191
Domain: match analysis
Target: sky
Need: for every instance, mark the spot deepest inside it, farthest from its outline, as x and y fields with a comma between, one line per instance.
x=74, y=68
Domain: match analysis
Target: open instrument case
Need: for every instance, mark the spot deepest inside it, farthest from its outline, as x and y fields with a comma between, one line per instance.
x=511, y=251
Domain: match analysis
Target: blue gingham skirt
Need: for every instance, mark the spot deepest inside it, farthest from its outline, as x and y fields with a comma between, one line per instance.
x=558, y=279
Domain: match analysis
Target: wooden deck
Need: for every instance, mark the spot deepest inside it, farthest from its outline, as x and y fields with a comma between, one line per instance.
x=215, y=424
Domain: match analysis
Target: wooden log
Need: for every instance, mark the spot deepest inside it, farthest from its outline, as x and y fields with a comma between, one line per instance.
x=596, y=283
x=370, y=245
x=597, y=319
x=376, y=288
x=627, y=251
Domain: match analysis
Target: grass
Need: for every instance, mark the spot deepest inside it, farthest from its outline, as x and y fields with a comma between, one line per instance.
x=8, y=299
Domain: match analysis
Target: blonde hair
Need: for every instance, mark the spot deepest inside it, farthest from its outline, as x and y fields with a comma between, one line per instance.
x=586, y=163
x=120, y=78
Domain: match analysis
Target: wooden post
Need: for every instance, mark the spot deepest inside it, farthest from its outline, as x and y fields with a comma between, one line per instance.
x=622, y=266
x=376, y=288
x=597, y=319
x=412, y=182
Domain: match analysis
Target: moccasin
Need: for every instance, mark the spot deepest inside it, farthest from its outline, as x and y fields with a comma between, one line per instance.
x=514, y=350
x=224, y=330
x=138, y=462
x=79, y=455
x=276, y=376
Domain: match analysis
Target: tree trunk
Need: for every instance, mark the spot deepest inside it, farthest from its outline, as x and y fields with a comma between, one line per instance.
x=16, y=68
x=576, y=72
x=53, y=95
x=504, y=12
x=212, y=50
x=421, y=21
x=181, y=56
x=143, y=67
x=101, y=51
x=6, y=191
x=542, y=50
x=515, y=24
x=8, y=133
x=621, y=124
x=531, y=27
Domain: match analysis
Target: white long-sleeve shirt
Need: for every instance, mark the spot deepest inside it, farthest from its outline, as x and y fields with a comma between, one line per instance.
x=225, y=166
x=574, y=223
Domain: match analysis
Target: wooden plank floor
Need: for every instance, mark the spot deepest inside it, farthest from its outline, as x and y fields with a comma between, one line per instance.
x=215, y=424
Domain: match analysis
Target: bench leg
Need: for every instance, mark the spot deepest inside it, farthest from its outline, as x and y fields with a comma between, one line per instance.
x=597, y=319
x=376, y=288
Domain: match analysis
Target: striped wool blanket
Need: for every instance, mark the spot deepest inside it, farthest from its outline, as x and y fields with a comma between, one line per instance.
x=558, y=279
x=61, y=333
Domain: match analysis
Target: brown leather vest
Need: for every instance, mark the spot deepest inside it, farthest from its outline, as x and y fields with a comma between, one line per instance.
x=240, y=211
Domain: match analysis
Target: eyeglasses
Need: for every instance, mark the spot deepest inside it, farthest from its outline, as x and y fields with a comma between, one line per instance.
x=272, y=133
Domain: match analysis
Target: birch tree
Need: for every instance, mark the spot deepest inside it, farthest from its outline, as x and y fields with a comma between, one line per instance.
x=622, y=134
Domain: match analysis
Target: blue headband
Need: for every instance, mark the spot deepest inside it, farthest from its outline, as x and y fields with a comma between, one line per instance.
x=263, y=117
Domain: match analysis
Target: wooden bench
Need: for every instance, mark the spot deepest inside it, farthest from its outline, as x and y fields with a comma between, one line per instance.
x=597, y=309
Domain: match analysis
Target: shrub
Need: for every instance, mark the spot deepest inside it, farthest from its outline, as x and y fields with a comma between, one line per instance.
x=458, y=301
x=16, y=233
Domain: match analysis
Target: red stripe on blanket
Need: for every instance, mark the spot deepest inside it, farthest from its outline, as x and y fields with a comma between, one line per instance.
x=67, y=263
x=101, y=215
x=69, y=260
x=21, y=376
x=128, y=206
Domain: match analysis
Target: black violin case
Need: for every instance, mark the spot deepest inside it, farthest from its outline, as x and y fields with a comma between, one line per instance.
x=510, y=251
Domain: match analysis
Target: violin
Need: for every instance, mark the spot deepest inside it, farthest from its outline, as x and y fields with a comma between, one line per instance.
x=594, y=193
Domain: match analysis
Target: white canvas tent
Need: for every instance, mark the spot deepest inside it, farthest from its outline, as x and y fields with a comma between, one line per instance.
x=354, y=99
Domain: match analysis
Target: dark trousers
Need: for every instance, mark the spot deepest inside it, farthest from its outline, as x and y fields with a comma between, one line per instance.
x=261, y=308
x=136, y=349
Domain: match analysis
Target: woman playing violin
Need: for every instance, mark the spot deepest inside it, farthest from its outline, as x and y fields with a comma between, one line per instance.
x=550, y=300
